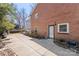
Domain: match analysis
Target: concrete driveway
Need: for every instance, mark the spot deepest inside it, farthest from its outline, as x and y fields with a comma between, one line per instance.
x=23, y=46
x=27, y=46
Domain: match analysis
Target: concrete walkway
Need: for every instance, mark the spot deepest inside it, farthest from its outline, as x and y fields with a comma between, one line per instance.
x=24, y=46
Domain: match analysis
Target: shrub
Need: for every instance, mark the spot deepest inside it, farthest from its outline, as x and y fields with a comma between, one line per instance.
x=34, y=34
x=61, y=42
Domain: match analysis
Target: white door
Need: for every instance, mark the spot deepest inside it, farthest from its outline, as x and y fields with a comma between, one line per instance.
x=51, y=32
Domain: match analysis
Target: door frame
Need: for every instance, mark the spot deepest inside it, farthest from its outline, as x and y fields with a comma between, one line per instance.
x=53, y=32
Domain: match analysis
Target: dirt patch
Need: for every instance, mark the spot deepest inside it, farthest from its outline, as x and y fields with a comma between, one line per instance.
x=1, y=44
x=7, y=52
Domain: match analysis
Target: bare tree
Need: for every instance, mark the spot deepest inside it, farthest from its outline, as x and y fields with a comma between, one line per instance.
x=33, y=6
x=24, y=16
x=19, y=18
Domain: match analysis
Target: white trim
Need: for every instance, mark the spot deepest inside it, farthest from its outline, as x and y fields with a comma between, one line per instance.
x=36, y=15
x=64, y=24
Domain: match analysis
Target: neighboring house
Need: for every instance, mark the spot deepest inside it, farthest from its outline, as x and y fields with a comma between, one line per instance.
x=28, y=24
x=56, y=20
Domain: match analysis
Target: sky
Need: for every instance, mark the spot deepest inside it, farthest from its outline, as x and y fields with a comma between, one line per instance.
x=26, y=6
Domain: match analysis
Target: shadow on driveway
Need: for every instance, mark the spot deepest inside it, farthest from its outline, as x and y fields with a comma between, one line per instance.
x=48, y=44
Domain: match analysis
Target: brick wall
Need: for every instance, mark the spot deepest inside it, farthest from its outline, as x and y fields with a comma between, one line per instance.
x=49, y=14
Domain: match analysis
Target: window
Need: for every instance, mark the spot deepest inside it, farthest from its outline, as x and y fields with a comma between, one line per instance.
x=63, y=28
x=36, y=15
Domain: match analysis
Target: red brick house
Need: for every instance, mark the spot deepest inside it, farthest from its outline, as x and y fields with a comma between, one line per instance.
x=56, y=20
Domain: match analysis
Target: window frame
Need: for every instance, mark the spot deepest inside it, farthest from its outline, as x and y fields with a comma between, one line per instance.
x=63, y=31
x=36, y=15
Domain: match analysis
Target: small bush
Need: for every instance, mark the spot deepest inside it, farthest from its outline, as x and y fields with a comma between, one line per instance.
x=61, y=42
x=34, y=34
